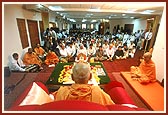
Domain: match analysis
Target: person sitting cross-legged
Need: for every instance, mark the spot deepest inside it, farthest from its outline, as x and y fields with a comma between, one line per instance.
x=110, y=52
x=40, y=52
x=31, y=58
x=119, y=54
x=100, y=54
x=146, y=71
x=81, y=90
x=16, y=64
x=81, y=58
x=51, y=58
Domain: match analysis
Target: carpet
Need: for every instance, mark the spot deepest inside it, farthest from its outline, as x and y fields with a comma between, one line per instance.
x=18, y=90
x=123, y=64
x=42, y=77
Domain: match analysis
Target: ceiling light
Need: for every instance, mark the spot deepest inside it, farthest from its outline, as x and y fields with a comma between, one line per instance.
x=130, y=11
x=39, y=5
x=147, y=12
x=72, y=20
x=94, y=21
x=132, y=17
x=84, y=20
x=123, y=14
x=94, y=10
x=150, y=11
x=56, y=8
x=150, y=19
x=89, y=14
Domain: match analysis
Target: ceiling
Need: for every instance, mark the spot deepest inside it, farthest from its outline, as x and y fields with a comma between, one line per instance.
x=95, y=11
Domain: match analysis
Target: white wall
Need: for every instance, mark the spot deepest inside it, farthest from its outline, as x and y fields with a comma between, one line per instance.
x=138, y=23
x=159, y=52
x=11, y=39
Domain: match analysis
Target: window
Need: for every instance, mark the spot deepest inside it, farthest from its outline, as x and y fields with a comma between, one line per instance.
x=83, y=26
x=91, y=26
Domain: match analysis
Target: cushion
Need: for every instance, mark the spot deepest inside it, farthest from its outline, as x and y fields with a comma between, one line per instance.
x=118, y=107
x=120, y=96
x=112, y=84
x=36, y=95
x=26, y=91
x=71, y=105
x=40, y=84
x=117, y=93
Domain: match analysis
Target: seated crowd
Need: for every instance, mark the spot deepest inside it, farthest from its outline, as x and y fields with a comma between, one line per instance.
x=83, y=49
x=71, y=48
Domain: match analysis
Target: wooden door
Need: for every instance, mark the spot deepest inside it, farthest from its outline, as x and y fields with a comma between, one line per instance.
x=128, y=28
x=22, y=32
x=33, y=32
x=101, y=28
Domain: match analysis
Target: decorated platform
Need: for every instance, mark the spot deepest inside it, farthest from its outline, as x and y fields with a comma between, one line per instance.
x=61, y=74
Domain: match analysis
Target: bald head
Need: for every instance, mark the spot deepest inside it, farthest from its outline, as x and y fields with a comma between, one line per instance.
x=147, y=56
x=81, y=73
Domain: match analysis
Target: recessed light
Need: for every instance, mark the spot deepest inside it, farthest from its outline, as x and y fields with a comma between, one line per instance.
x=123, y=14
x=55, y=8
x=147, y=12
x=94, y=10
x=94, y=21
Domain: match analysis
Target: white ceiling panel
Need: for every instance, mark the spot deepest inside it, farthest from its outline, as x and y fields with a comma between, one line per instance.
x=103, y=10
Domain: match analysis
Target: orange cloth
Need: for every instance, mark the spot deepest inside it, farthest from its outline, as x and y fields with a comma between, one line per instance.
x=147, y=71
x=81, y=55
x=83, y=92
x=31, y=59
x=151, y=94
x=39, y=51
x=51, y=58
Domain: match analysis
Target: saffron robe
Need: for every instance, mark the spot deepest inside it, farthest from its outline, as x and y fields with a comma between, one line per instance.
x=32, y=58
x=51, y=58
x=83, y=92
x=39, y=51
x=147, y=71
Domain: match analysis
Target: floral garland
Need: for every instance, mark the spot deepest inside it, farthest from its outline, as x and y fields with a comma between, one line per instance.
x=66, y=73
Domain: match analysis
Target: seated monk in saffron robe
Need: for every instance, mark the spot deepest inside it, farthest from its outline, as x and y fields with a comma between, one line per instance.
x=81, y=58
x=31, y=58
x=146, y=72
x=40, y=52
x=81, y=90
x=51, y=58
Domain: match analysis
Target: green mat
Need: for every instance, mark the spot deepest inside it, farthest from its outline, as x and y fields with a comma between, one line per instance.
x=53, y=79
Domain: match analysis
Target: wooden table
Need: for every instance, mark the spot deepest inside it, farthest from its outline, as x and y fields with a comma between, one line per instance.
x=152, y=94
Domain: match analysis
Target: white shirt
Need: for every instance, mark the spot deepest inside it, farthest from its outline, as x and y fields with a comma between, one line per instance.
x=148, y=35
x=13, y=66
x=71, y=50
x=91, y=51
x=126, y=36
x=105, y=47
x=110, y=52
x=64, y=53
x=84, y=51
x=132, y=38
